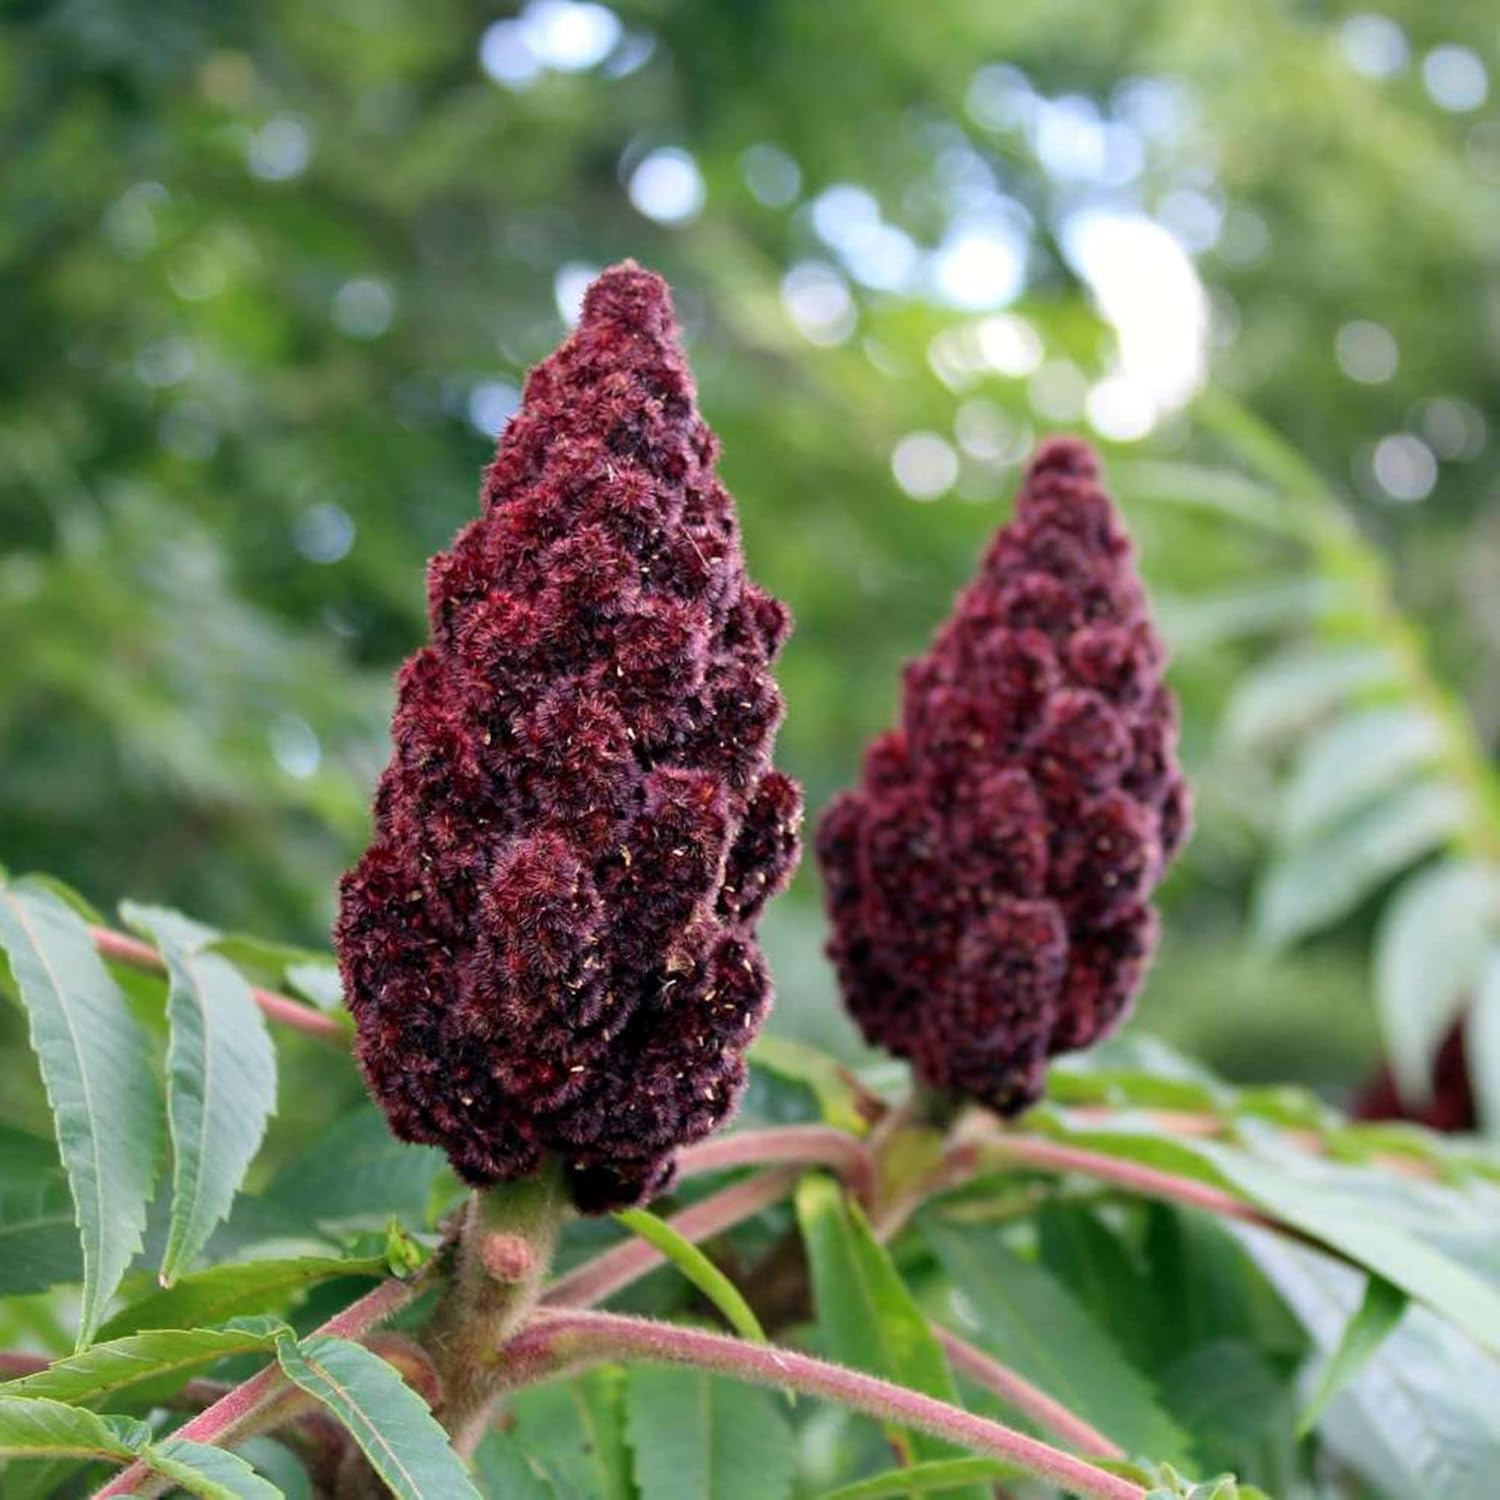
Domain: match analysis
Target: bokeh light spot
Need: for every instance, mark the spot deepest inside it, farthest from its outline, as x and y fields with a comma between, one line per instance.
x=925, y=465
x=363, y=308
x=817, y=300
x=1366, y=352
x=667, y=186
x=1455, y=79
x=771, y=175
x=1404, y=467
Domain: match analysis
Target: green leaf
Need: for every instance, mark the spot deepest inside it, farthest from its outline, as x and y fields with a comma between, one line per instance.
x=161, y=1357
x=831, y=1084
x=698, y=1269
x=1420, y=1418
x=866, y=1315
x=705, y=1437
x=1380, y=1309
x=222, y=1292
x=1428, y=956
x=209, y=1472
x=221, y=1079
x=1353, y=760
x=1313, y=885
x=1294, y=690
x=356, y=1174
x=1208, y=620
x=1482, y=1045
x=505, y=1471
x=385, y=1416
x=573, y=1432
x=33, y=1427
x=941, y=1475
x=1031, y=1323
x=96, y=1065
x=38, y=1238
x=1222, y=491
x=318, y=982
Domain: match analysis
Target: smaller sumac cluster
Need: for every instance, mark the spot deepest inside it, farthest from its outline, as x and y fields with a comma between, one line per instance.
x=988, y=879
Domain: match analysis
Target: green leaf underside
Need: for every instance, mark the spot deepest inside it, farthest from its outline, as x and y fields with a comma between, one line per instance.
x=1030, y=1322
x=1428, y=1239
x=1429, y=953
x=221, y=1079
x=698, y=1269
x=1482, y=1040
x=941, y=1476
x=209, y=1472
x=1314, y=885
x=705, y=1437
x=1379, y=1310
x=1422, y=1416
x=219, y=1293
x=33, y=1427
x=39, y=1244
x=390, y=1421
x=160, y=1356
x=866, y=1314
x=96, y=1065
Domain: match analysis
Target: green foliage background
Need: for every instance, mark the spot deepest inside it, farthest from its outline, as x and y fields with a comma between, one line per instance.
x=192, y=707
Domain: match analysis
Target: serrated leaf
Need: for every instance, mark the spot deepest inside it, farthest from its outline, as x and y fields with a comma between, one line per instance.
x=222, y=1292
x=705, y=1437
x=1482, y=1045
x=941, y=1476
x=208, y=1472
x=1313, y=885
x=1294, y=690
x=1379, y=1310
x=866, y=1315
x=573, y=1431
x=1353, y=760
x=698, y=1269
x=221, y=1079
x=1430, y=950
x=161, y=1357
x=385, y=1416
x=357, y=1174
x=33, y=1427
x=96, y=1065
x=1031, y=1323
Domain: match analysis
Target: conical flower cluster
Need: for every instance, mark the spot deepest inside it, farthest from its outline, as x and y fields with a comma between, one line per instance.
x=988, y=880
x=549, y=947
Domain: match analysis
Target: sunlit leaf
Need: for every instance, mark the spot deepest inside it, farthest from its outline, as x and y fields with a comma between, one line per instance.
x=221, y=1079
x=96, y=1065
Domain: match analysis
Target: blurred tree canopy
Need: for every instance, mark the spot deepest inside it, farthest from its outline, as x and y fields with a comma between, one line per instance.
x=271, y=276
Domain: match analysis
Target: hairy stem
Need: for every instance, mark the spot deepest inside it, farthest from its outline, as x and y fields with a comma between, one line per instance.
x=807, y=1145
x=240, y=1412
x=1149, y=1182
x=631, y=1259
x=281, y=1008
x=557, y=1343
x=1024, y=1397
x=500, y=1261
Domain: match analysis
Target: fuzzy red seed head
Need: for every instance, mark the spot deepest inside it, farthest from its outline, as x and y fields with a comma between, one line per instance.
x=987, y=881
x=549, y=948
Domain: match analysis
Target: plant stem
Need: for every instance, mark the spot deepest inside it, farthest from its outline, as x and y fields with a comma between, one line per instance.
x=808, y=1145
x=628, y=1261
x=1026, y=1398
x=500, y=1261
x=236, y=1413
x=1149, y=1182
x=558, y=1343
x=281, y=1008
